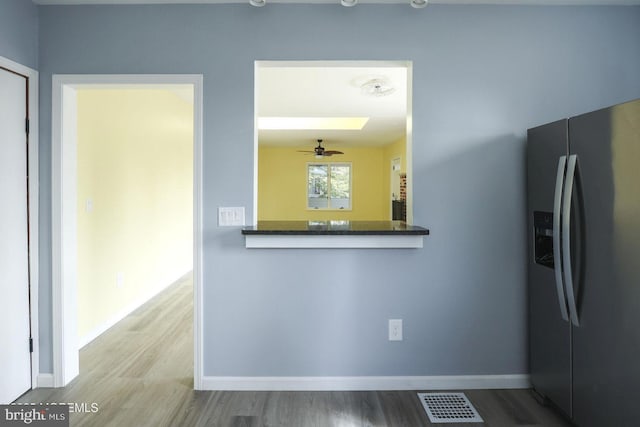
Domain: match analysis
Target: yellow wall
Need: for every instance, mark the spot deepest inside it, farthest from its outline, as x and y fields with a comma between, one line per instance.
x=282, y=184
x=135, y=151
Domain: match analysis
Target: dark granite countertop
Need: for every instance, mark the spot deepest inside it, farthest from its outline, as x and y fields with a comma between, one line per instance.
x=310, y=228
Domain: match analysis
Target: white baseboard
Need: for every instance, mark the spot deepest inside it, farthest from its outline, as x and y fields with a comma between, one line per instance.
x=444, y=382
x=44, y=380
x=118, y=316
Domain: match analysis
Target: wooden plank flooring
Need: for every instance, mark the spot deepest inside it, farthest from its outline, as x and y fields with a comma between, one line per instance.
x=140, y=373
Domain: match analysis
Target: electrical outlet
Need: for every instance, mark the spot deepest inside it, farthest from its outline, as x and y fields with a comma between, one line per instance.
x=395, y=329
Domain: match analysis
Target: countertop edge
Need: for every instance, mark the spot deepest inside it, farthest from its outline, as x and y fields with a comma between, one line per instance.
x=334, y=228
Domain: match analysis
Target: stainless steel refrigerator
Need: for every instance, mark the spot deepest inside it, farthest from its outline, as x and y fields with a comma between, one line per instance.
x=584, y=265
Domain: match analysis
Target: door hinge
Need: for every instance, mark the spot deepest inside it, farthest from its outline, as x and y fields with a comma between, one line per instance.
x=30, y=345
x=26, y=126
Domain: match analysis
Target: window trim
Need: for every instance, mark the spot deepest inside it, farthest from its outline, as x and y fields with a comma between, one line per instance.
x=329, y=164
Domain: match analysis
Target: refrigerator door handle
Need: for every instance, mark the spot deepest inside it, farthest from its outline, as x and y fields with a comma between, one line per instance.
x=557, y=260
x=566, y=238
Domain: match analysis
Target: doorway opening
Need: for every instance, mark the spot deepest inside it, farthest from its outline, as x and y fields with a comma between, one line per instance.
x=398, y=190
x=126, y=204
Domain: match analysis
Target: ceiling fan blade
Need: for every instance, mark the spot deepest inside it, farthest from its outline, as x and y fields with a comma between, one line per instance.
x=332, y=152
x=305, y=151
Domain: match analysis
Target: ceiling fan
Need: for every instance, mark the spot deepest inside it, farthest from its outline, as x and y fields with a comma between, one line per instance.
x=320, y=151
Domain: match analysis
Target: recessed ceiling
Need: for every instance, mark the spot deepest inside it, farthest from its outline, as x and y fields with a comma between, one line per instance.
x=332, y=90
x=337, y=2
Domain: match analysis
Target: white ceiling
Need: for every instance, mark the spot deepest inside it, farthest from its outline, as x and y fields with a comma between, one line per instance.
x=510, y=2
x=331, y=90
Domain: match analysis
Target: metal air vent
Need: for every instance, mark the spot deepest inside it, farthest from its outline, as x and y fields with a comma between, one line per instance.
x=449, y=408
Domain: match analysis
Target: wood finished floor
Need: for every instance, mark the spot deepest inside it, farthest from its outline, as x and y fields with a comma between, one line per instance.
x=140, y=373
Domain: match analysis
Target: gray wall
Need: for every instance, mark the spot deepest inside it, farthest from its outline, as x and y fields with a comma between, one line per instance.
x=482, y=76
x=19, y=32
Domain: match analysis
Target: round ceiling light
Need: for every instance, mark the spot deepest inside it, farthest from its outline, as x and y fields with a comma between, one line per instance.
x=419, y=4
x=348, y=3
x=377, y=87
x=257, y=3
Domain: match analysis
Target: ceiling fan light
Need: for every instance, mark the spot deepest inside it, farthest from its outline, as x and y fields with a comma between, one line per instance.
x=419, y=4
x=257, y=3
x=348, y=3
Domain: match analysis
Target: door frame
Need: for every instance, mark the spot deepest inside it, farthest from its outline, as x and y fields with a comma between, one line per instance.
x=64, y=256
x=34, y=241
x=392, y=174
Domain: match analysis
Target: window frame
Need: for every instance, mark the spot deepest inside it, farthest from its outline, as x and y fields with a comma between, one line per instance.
x=329, y=165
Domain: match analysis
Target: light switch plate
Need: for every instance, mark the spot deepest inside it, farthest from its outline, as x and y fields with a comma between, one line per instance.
x=229, y=217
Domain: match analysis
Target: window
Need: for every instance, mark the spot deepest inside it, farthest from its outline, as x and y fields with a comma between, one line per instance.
x=329, y=186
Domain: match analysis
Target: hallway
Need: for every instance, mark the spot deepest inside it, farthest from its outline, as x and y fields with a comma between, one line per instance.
x=140, y=371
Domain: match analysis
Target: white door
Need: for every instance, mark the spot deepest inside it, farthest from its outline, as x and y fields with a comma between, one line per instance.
x=395, y=178
x=15, y=354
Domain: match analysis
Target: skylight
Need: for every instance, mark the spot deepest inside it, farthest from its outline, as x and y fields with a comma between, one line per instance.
x=312, y=123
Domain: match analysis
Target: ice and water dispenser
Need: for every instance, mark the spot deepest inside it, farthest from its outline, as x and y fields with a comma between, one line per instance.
x=543, y=238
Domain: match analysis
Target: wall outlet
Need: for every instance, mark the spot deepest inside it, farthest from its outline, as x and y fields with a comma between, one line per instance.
x=119, y=280
x=88, y=206
x=230, y=217
x=395, y=329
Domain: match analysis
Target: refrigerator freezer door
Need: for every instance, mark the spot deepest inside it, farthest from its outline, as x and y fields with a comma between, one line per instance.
x=549, y=334
x=606, y=345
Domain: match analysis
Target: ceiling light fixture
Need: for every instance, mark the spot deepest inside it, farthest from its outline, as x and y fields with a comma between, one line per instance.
x=377, y=87
x=257, y=3
x=348, y=3
x=419, y=4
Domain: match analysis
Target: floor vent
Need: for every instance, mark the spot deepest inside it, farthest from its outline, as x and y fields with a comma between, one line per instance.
x=449, y=408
